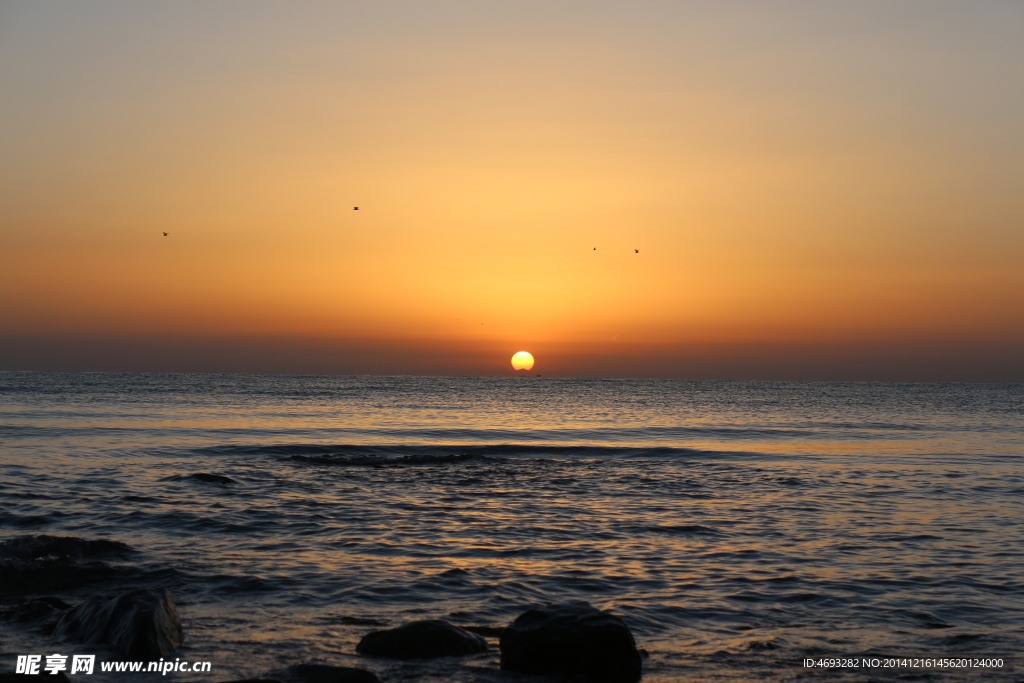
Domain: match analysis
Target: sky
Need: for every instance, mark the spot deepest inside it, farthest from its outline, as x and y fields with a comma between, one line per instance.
x=738, y=190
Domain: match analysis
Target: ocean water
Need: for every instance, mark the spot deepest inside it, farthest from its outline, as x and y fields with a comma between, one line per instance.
x=737, y=527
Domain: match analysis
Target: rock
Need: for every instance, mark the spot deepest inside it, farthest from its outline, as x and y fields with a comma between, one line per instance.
x=571, y=639
x=139, y=625
x=360, y=621
x=324, y=673
x=62, y=548
x=211, y=478
x=37, y=563
x=421, y=640
x=36, y=610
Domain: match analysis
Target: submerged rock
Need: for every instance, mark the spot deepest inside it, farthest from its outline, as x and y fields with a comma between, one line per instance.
x=140, y=625
x=421, y=640
x=360, y=621
x=571, y=639
x=211, y=478
x=36, y=611
x=65, y=548
x=325, y=673
x=42, y=562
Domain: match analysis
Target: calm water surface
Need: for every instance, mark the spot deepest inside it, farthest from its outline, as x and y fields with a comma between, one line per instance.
x=737, y=527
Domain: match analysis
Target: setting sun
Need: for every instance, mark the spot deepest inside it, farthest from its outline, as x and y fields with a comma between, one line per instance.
x=522, y=360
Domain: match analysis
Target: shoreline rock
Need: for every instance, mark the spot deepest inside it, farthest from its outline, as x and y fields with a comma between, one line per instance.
x=572, y=639
x=38, y=563
x=140, y=624
x=422, y=640
x=43, y=611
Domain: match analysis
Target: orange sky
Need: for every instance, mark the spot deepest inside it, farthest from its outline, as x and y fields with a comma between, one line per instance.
x=792, y=174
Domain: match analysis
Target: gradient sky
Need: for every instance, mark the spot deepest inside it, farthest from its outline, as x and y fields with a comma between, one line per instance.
x=846, y=176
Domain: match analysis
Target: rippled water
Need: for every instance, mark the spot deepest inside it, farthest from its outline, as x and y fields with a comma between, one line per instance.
x=737, y=527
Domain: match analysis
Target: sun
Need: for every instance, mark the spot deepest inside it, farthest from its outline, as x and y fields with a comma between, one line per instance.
x=522, y=360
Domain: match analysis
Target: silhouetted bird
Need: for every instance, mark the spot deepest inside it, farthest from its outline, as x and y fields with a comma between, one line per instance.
x=595, y=248
x=165, y=234
x=637, y=250
x=355, y=208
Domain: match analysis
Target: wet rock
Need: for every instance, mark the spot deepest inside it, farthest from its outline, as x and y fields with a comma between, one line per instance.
x=139, y=625
x=325, y=673
x=212, y=478
x=36, y=611
x=360, y=621
x=63, y=548
x=421, y=640
x=42, y=562
x=571, y=639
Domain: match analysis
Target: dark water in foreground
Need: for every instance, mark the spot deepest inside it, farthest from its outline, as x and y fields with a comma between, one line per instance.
x=737, y=527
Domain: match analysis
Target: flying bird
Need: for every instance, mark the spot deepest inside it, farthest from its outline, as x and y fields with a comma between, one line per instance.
x=636, y=251
x=355, y=208
x=165, y=234
x=595, y=248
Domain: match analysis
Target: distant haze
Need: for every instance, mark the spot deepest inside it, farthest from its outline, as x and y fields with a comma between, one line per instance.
x=816, y=190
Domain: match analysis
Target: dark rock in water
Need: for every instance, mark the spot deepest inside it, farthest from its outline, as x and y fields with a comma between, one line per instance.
x=62, y=548
x=211, y=478
x=40, y=613
x=360, y=621
x=43, y=562
x=421, y=640
x=140, y=624
x=36, y=610
x=324, y=673
x=571, y=639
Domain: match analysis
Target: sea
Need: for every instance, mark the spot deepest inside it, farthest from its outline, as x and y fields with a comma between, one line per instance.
x=744, y=531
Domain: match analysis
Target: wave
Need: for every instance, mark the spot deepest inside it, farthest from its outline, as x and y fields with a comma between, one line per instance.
x=588, y=435
x=403, y=453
